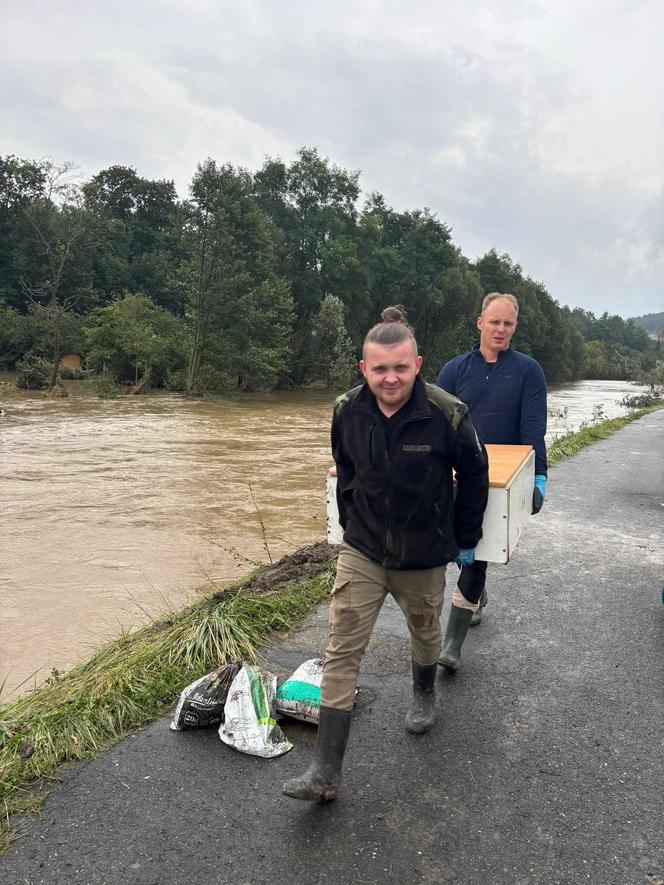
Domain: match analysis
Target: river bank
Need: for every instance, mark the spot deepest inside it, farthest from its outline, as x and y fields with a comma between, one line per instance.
x=136, y=678
x=545, y=753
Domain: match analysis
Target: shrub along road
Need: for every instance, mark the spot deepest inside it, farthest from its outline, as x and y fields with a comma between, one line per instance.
x=545, y=765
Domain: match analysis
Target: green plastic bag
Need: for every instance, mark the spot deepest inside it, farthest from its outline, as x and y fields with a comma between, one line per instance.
x=299, y=695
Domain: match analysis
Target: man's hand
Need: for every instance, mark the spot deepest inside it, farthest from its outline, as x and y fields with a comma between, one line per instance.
x=465, y=557
x=539, y=491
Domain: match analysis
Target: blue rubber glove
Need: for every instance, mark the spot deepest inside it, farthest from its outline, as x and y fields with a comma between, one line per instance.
x=465, y=557
x=539, y=491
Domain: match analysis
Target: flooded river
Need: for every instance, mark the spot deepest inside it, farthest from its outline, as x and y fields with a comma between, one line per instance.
x=115, y=510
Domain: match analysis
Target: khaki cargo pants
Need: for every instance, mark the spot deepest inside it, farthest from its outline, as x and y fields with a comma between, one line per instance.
x=358, y=595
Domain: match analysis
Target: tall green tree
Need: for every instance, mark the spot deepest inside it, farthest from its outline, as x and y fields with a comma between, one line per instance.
x=333, y=358
x=408, y=258
x=21, y=182
x=146, y=218
x=239, y=308
x=312, y=204
x=59, y=239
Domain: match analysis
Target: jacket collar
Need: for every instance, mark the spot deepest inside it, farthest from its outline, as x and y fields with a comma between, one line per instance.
x=502, y=354
x=420, y=407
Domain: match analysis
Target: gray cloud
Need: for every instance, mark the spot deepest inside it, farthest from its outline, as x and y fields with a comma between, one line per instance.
x=531, y=127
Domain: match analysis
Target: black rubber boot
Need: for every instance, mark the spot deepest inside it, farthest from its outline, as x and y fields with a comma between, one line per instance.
x=422, y=713
x=320, y=782
x=479, y=614
x=457, y=628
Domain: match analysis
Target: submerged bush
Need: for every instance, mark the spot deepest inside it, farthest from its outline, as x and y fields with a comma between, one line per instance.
x=33, y=372
x=105, y=386
x=69, y=373
x=642, y=400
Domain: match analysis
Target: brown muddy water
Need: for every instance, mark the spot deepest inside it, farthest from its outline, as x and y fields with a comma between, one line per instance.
x=114, y=511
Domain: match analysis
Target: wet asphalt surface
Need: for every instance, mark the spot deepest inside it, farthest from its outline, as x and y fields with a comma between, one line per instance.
x=546, y=764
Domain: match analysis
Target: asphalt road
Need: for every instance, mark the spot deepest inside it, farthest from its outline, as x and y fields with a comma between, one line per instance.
x=546, y=765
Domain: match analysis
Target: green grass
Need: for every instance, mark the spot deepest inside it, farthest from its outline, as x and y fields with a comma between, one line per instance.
x=132, y=681
x=571, y=443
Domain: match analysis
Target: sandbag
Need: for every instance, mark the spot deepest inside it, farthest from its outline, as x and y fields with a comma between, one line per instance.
x=299, y=695
x=202, y=703
x=249, y=715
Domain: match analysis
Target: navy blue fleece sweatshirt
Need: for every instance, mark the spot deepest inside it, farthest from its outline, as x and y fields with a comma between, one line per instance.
x=506, y=399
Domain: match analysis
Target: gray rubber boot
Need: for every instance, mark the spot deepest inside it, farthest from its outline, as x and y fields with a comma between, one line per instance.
x=457, y=628
x=320, y=782
x=479, y=614
x=422, y=713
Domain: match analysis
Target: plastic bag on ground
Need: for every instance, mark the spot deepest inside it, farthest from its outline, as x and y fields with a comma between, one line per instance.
x=299, y=695
x=202, y=703
x=249, y=715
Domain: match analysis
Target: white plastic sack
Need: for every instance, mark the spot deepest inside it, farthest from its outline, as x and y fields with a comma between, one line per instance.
x=299, y=695
x=249, y=715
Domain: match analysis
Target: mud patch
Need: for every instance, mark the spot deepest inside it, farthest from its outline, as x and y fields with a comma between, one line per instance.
x=300, y=567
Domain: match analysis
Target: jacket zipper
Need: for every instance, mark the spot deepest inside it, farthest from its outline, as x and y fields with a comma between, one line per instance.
x=388, y=504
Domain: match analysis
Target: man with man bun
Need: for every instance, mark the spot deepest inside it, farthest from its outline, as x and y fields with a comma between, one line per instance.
x=505, y=392
x=395, y=442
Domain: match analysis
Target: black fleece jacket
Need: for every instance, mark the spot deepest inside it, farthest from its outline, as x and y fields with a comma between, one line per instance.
x=396, y=501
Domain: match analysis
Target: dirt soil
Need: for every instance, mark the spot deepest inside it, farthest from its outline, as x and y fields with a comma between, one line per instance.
x=301, y=566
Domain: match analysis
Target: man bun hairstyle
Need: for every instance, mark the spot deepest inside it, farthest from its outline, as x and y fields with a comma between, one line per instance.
x=392, y=329
x=394, y=314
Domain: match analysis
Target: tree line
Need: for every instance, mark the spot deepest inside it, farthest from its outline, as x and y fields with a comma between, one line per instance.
x=651, y=322
x=256, y=281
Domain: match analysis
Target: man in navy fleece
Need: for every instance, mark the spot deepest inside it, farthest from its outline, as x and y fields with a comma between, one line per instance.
x=505, y=392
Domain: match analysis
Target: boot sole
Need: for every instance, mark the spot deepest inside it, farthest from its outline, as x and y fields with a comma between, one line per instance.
x=419, y=729
x=312, y=794
x=450, y=667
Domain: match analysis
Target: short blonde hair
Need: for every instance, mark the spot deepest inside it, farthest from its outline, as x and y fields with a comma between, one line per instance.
x=492, y=296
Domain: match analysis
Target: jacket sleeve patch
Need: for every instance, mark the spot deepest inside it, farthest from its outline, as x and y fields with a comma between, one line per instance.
x=453, y=409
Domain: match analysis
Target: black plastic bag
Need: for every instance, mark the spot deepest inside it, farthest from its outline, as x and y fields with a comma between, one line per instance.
x=202, y=702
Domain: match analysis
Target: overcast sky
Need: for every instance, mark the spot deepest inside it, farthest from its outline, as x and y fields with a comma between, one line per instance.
x=533, y=127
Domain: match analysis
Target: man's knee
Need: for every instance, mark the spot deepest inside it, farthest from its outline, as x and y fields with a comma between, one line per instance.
x=424, y=614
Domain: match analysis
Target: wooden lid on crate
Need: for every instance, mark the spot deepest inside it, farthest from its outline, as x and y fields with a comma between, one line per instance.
x=504, y=464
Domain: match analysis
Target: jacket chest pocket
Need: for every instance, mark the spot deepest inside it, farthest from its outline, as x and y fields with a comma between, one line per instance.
x=418, y=461
x=417, y=449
